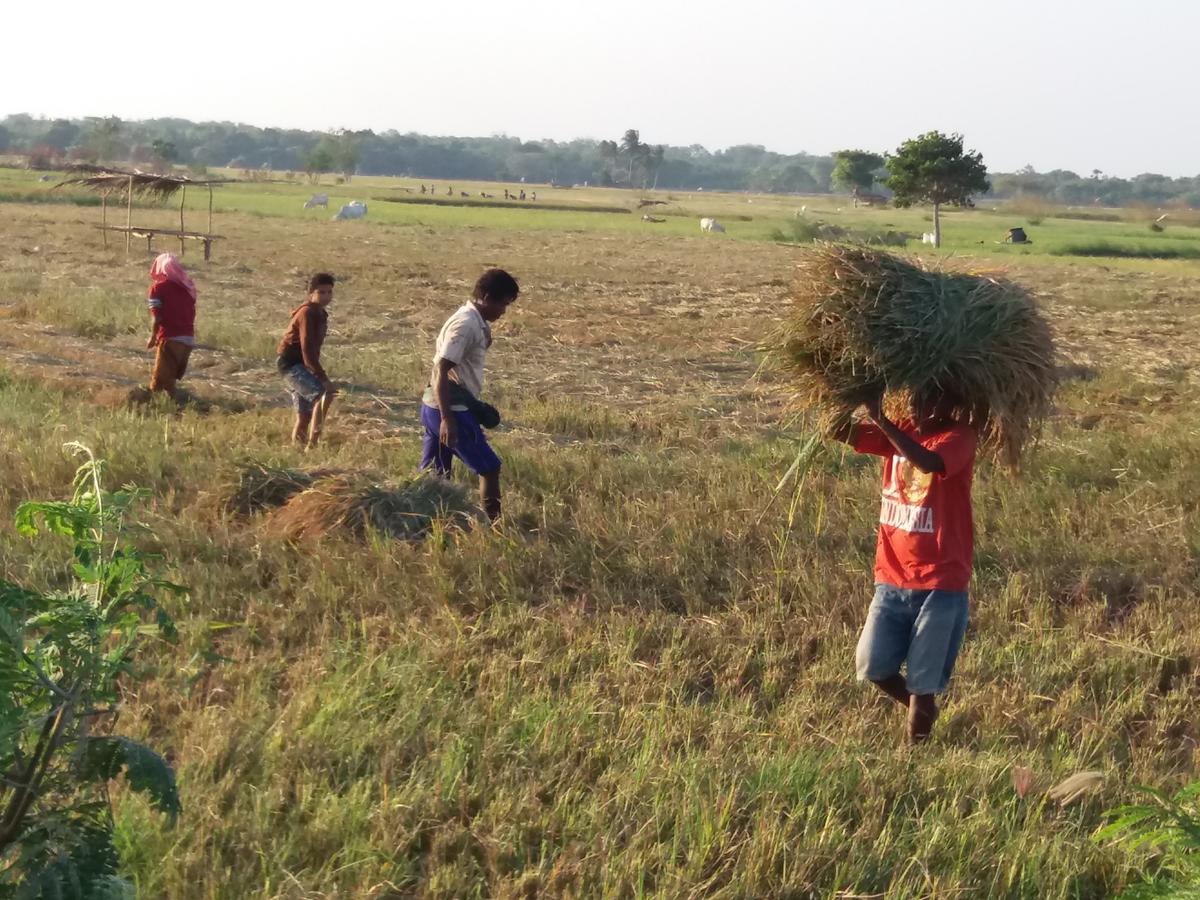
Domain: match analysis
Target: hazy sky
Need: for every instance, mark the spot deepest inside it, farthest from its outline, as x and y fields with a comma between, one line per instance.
x=1103, y=84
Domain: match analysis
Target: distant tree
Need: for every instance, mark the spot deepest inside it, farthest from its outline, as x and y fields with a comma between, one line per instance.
x=346, y=154
x=654, y=159
x=164, y=151
x=854, y=170
x=608, y=151
x=933, y=168
x=62, y=133
x=792, y=178
x=104, y=136
x=320, y=158
x=634, y=151
x=5, y=138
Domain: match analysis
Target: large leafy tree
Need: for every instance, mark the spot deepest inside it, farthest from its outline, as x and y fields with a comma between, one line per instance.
x=854, y=170
x=934, y=168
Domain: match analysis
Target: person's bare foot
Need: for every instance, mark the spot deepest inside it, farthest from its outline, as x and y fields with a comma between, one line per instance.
x=922, y=713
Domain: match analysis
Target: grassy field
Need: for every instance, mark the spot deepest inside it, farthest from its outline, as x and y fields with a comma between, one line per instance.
x=642, y=684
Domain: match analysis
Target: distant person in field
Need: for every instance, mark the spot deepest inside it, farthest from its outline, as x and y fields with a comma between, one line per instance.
x=299, y=361
x=172, y=302
x=450, y=407
x=923, y=556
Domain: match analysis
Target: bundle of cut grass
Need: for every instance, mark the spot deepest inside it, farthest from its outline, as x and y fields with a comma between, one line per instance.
x=353, y=504
x=865, y=321
x=257, y=487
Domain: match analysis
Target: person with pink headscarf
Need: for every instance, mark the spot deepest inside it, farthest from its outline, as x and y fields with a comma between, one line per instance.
x=172, y=302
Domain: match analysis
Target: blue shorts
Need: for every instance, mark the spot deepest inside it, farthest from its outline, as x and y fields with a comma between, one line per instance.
x=304, y=386
x=922, y=629
x=472, y=447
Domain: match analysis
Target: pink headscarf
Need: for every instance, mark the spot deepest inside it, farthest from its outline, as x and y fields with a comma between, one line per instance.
x=167, y=268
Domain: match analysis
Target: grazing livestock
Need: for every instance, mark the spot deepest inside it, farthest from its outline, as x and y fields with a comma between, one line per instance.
x=652, y=219
x=316, y=200
x=355, y=209
x=711, y=225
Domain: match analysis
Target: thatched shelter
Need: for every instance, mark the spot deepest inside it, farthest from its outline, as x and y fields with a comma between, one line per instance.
x=123, y=184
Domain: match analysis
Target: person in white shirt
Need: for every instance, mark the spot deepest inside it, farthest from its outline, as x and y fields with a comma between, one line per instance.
x=450, y=407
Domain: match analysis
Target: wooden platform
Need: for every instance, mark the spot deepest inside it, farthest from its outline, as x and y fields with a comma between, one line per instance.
x=150, y=233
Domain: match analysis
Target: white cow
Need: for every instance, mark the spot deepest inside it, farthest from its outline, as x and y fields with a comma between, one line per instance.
x=355, y=209
x=710, y=225
x=316, y=200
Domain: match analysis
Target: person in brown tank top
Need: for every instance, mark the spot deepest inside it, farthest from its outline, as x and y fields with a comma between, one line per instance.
x=299, y=361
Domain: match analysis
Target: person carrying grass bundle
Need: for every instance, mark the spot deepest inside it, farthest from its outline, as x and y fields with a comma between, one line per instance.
x=299, y=361
x=172, y=303
x=452, y=414
x=976, y=360
x=925, y=542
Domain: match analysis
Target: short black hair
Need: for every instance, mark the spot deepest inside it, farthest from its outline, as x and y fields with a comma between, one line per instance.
x=498, y=285
x=320, y=279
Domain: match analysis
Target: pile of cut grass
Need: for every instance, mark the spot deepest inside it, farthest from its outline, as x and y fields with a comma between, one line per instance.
x=865, y=323
x=354, y=504
x=257, y=487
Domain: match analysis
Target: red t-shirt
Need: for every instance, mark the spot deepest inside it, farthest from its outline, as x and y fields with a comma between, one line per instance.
x=926, y=536
x=174, y=309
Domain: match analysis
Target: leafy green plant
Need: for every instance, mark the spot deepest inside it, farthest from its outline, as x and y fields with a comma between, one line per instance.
x=1172, y=825
x=63, y=655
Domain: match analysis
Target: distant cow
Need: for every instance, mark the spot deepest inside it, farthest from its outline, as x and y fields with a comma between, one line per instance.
x=710, y=225
x=316, y=200
x=356, y=209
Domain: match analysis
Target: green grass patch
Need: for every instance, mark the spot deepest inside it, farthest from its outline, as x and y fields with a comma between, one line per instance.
x=1128, y=251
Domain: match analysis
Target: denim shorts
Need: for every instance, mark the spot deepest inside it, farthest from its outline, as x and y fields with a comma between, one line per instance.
x=472, y=446
x=304, y=386
x=922, y=629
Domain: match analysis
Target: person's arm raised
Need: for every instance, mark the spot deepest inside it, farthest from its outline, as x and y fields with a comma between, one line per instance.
x=925, y=460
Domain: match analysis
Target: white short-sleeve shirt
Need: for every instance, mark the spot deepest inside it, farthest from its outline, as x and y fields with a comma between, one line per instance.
x=464, y=340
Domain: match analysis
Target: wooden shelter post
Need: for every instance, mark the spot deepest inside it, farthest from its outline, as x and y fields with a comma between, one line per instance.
x=129, y=218
x=182, y=198
x=104, y=217
x=209, y=218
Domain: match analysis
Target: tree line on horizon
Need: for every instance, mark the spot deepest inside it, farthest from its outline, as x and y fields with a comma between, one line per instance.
x=624, y=162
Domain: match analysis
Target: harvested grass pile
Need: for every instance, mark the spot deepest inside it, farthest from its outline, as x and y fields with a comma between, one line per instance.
x=864, y=321
x=257, y=487
x=353, y=504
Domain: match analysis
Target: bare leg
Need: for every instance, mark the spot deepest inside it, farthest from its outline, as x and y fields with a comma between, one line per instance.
x=489, y=492
x=895, y=688
x=320, y=406
x=300, y=432
x=922, y=713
